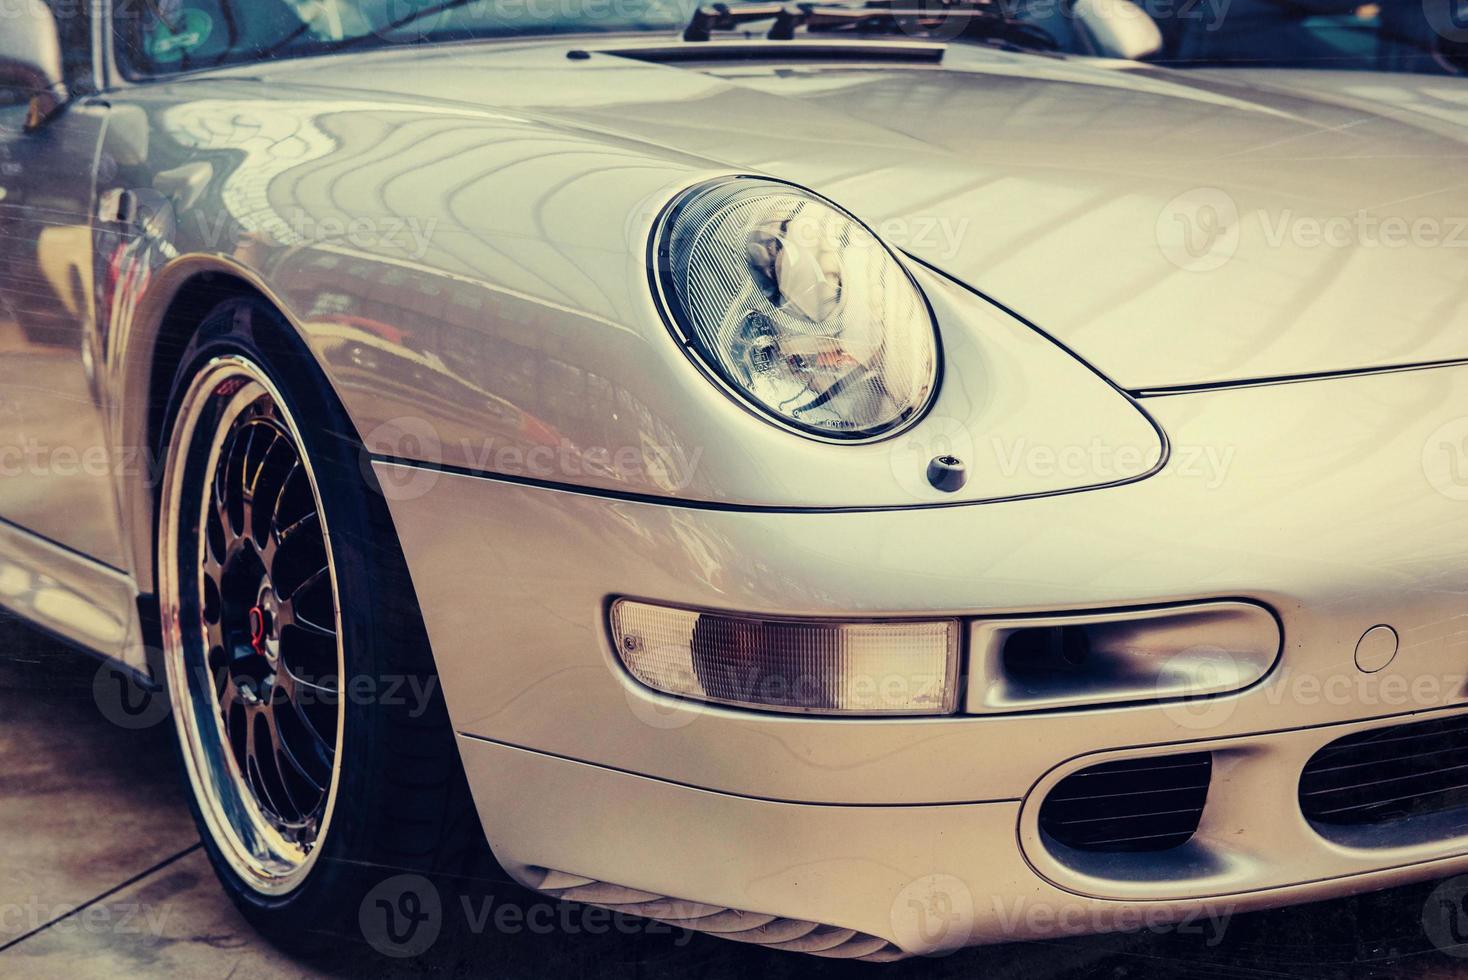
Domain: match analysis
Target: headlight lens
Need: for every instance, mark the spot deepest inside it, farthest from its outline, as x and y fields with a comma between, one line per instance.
x=795, y=306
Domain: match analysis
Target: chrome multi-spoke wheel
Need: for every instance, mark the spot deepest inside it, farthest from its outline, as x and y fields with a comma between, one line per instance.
x=280, y=576
x=252, y=625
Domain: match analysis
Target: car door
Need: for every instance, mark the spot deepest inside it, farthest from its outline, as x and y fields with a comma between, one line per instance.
x=56, y=464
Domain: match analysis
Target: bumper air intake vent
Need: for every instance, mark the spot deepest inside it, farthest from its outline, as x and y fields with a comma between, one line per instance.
x=1134, y=805
x=1388, y=774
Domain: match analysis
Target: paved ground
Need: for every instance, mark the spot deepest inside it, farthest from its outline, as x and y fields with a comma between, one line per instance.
x=101, y=876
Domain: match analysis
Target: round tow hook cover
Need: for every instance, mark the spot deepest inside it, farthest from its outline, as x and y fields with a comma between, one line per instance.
x=1376, y=649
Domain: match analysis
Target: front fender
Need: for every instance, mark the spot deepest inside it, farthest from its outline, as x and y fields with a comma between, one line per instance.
x=474, y=286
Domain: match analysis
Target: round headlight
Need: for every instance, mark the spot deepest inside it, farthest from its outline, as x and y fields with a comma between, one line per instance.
x=793, y=305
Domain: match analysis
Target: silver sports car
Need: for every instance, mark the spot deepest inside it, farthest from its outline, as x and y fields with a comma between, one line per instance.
x=850, y=478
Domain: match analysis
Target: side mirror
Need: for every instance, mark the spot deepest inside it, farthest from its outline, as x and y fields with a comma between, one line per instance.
x=30, y=60
x=1120, y=28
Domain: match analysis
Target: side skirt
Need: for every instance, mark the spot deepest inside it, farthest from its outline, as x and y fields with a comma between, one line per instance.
x=66, y=593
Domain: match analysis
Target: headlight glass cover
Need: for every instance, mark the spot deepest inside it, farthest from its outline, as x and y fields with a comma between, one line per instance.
x=796, y=307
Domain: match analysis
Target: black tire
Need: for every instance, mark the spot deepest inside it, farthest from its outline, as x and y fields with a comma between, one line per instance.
x=402, y=804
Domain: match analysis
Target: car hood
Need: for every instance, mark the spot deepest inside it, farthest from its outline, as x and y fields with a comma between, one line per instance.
x=1172, y=228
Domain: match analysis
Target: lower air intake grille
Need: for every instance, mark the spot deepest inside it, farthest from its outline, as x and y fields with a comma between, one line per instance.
x=1388, y=773
x=1132, y=805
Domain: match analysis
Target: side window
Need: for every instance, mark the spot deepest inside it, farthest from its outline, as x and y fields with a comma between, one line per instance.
x=74, y=24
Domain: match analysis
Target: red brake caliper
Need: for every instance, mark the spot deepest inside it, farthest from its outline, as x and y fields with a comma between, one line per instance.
x=257, y=629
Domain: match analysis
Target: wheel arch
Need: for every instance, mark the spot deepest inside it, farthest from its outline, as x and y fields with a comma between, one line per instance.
x=176, y=300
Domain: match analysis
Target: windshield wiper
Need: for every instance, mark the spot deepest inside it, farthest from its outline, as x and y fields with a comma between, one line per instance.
x=983, y=20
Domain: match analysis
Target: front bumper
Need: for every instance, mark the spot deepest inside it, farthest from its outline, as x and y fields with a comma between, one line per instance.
x=1323, y=501
x=922, y=878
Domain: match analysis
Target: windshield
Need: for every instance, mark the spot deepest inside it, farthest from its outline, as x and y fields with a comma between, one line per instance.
x=1425, y=36
x=166, y=36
